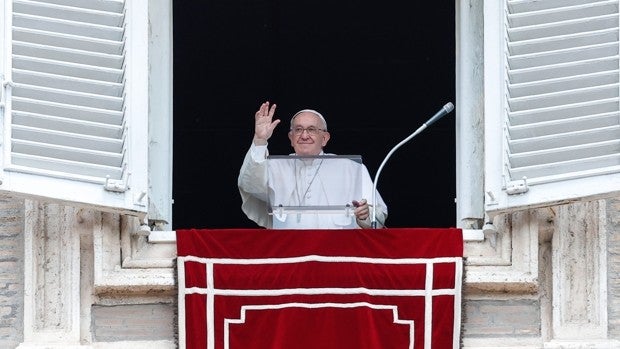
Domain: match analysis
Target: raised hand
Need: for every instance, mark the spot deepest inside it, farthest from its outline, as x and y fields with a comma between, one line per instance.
x=264, y=123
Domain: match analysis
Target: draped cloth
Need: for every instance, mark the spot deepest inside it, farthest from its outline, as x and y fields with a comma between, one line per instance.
x=351, y=288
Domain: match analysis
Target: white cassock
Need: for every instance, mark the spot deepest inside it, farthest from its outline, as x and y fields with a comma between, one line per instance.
x=310, y=183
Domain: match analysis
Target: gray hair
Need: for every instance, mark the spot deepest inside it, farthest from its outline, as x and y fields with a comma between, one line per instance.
x=312, y=111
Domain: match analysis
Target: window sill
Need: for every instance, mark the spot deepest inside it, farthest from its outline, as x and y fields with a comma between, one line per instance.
x=169, y=237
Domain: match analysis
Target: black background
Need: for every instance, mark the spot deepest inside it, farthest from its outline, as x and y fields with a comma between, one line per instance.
x=375, y=70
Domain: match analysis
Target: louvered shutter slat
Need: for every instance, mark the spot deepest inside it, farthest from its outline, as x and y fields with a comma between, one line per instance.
x=68, y=139
x=67, y=55
x=562, y=56
x=565, y=111
x=566, y=153
x=60, y=26
x=562, y=84
x=545, y=128
x=558, y=140
x=28, y=162
x=67, y=153
x=69, y=69
x=73, y=112
x=518, y=6
x=555, y=171
x=560, y=98
x=99, y=5
x=68, y=97
x=568, y=69
x=529, y=13
x=62, y=110
x=67, y=41
x=563, y=28
x=563, y=42
x=63, y=82
x=68, y=125
x=82, y=14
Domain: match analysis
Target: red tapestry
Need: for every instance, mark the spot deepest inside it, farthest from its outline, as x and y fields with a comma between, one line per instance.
x=309, y=289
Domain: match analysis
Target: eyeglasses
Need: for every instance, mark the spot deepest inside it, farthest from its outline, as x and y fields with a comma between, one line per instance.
x=313, y=131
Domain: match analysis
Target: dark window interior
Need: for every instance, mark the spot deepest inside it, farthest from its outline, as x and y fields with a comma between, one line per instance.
x=375, y=70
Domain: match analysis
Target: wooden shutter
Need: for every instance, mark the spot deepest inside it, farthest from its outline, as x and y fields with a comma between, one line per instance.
x=553, y=124
x=73, y=103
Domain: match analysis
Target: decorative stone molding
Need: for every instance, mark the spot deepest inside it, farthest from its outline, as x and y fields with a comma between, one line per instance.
x=52, y=277
x=126, y=262
x=135, y=345
x=579, y=260
x=511, y=263
x=73, y=259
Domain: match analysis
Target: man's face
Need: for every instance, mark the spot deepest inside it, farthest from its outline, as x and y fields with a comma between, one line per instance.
x=307, y=134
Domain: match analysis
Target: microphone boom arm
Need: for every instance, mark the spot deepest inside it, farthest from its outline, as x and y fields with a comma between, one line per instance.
x=444, y=110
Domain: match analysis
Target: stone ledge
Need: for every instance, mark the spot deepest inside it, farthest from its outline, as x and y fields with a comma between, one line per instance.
x=586, y=343
x=161, y=344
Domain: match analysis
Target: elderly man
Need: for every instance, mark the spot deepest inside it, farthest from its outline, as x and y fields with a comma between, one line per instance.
x=308, y=135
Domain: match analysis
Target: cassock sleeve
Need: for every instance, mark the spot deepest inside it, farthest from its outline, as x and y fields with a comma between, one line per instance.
x=252, y=183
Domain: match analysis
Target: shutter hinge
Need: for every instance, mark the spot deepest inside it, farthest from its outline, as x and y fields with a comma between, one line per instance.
x=117, y=185
x=5, y=85
x=517, y=187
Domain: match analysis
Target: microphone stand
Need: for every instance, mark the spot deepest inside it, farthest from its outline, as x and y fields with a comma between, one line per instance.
x=443, y=111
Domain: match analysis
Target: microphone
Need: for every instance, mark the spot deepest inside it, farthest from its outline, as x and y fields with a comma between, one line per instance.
x=446, y=109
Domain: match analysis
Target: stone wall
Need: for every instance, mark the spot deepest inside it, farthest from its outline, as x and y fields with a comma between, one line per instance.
x=495, y=315
x=138, y=322
x=11, y=272
x=613, y=265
